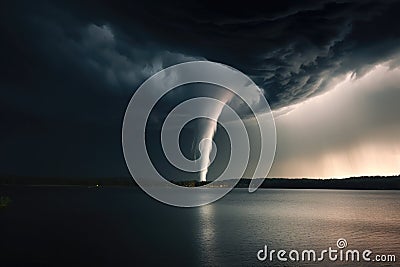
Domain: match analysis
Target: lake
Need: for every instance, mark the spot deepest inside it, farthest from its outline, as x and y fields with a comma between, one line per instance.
x=122, y=226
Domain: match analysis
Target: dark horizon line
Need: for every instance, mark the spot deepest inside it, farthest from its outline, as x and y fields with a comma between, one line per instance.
x=356, y=183
x=2, y=177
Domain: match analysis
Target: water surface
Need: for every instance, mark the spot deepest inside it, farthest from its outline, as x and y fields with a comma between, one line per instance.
x=117, y=226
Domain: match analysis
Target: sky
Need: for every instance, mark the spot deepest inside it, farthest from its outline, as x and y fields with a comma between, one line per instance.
x=329, y=70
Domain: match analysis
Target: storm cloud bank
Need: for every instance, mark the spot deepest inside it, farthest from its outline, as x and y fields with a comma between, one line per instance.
x=69, y=68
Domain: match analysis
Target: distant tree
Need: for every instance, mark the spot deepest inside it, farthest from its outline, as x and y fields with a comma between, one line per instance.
x=4, y=201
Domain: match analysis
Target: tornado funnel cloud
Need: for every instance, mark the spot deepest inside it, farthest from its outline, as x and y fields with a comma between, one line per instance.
x=208, y=129
x=212, y=107
x=205, y=148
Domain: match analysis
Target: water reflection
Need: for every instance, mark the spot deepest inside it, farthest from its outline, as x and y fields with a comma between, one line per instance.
x=232, y=230
x=125, y=227
x=207, y=234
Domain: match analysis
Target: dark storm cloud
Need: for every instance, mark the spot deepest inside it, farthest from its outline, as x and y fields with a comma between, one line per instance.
x=69, y=68
x=66, y=80
x=290, y=49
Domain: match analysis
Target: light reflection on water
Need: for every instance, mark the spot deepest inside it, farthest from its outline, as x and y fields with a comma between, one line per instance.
x=235, y=228
x=207, y=235
x=78, y=226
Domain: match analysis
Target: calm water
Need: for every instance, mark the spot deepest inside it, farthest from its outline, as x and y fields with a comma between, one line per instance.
x=77, y=226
